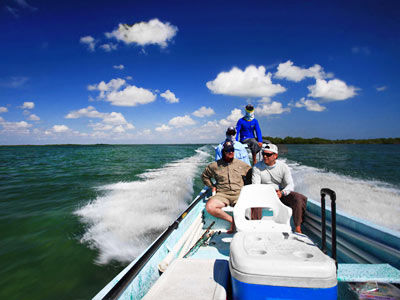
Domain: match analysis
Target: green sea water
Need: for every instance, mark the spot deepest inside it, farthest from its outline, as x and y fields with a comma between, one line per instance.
x=71, y=217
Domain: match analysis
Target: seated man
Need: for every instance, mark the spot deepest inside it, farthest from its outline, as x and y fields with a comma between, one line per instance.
x=240, y=150
x=246, y=127
x=229, y=174
x=277, y=173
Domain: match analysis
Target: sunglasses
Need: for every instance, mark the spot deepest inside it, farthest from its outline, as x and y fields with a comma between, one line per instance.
x=267, y=154
x=229, y=151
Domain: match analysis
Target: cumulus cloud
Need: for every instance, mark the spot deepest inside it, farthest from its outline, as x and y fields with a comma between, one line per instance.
x=310, y=105
x=232, y=119
x=89, y=41
x=110, y=121
x=332, y=90
x=203, y=112
x=3, y=109
x=33, y=117
x=273, y=108
x=109, y=47
x=170, y=97
x=181, y=121
x=60, y=128
x=163, y=128
x=252, y=82
x=293, y=73
x=28, y=105
x=129, y=96
x=381, y=88
x=145, y=33
x=119, y=67
x=21, y=127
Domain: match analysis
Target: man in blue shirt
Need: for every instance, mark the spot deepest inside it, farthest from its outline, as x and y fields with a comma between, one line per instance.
x=240, y=150
x=246, y=127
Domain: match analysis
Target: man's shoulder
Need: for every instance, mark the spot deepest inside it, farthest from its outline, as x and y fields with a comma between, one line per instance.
x=240, y=163
x=213, y=164
x=260, y=165
x=239, y=145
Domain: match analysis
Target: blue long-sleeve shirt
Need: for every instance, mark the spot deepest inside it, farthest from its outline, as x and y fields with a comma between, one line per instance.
x=245, y=129
x=240, y=152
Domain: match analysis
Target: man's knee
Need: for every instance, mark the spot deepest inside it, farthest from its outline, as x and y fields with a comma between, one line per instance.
x=213, y=204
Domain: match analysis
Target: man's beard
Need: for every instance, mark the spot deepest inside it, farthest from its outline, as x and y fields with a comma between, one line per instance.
x=227, y=159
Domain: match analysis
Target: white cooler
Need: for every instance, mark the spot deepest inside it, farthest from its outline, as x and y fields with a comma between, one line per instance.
x=280, y=265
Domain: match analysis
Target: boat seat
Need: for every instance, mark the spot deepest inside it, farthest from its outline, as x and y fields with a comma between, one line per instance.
x=187, y=278
x=261, y=195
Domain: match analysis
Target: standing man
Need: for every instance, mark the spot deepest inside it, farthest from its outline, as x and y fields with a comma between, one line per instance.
x=246, y=127
x=240, y=150
x=229, y=174
x=277, y=173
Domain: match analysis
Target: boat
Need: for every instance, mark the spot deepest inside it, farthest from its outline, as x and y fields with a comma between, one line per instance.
x=196, y=258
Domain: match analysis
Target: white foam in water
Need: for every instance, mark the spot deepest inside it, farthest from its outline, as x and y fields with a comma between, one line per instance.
x=128, y=217
x=374, y=201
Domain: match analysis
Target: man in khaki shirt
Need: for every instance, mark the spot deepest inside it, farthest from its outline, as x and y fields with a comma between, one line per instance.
x=229, y=174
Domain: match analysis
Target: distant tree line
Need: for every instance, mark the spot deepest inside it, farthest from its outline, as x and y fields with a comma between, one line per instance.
x=316, y=140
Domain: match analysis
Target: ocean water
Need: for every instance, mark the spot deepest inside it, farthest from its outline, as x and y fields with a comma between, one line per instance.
x=71, y=217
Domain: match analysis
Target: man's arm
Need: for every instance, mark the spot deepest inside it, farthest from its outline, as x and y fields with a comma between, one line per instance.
x=238, y=127
x=256, y=177
x=258, y=132
x=218, y=152
x=206, y=177
x=287, y=181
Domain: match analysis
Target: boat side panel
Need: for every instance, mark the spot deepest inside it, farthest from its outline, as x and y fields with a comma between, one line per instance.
x=149, y=274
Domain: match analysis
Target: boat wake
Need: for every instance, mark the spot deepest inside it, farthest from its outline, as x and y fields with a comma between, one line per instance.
x=373, y=201
x=130, y=215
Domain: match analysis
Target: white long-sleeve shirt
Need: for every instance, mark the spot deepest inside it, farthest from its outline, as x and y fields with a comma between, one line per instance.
x=278, y=176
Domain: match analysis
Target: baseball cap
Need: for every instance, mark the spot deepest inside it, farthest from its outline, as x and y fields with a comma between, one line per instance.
x=228, y=147
x=270, y=147
x=231, y=130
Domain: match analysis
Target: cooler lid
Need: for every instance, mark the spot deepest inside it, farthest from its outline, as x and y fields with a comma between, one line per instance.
x=279, y=254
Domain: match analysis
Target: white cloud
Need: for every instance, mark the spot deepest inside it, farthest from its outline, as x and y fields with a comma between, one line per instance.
x=381, y=88
x=28, y=105
x=129, y=96
x=119, y=129
x=252, y=82
x=310, y=105
x=181, y=121
x=232, y=119
x=110, y=121
x=273, y=108
x=60, y=128
x=109, y=47
x=293, y=73
x=145, y=33
x=89, y=41
x=21, y=127
x=204, y=112
x=170, y=97
x=332, y=90
x=163, y=128
x=119, y=67
x=33, y=117
x=3, y=109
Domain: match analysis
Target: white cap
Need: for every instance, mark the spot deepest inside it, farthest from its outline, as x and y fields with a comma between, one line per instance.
x=270, y=147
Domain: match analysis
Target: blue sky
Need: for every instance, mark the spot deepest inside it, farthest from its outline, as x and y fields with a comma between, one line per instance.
x=182, y=71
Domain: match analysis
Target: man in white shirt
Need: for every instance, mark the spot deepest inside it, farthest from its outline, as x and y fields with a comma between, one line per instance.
x=277, y=173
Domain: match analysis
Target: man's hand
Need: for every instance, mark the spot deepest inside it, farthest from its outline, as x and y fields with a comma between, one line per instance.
x=279, y=193
x=260, y=144
x=213, y=190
